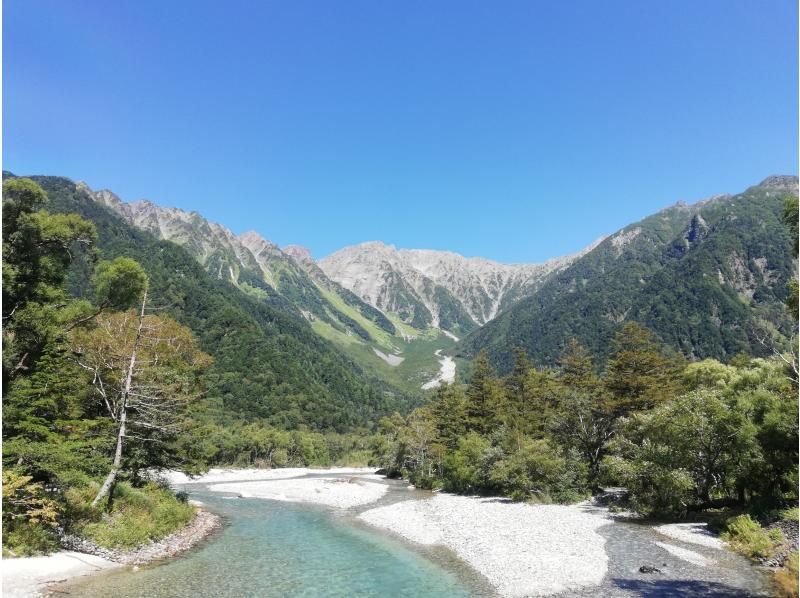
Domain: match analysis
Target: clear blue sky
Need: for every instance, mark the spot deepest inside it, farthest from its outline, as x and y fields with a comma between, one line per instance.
x=512, y=130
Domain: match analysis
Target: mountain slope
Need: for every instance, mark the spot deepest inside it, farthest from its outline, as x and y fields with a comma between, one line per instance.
x=268, y=361
x=401, y=355
x=435, y=288
x=700, y=276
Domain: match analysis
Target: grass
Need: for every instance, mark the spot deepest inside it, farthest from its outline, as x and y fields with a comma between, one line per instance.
x=747, y=537
x=138, y=515
x=786, y=578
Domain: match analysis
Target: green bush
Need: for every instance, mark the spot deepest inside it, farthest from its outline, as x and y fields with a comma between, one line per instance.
x=537, y=471
x=29, y=516
x=654, y=488
x=26, y=539
x=792, y=514
x=747, y=537
x=462, y=468
x=138, y=515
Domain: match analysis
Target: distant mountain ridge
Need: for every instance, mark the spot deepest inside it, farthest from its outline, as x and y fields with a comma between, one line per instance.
x=423, y=288
x=268, y=361
x=704, y=277
x=249, y=261
x=437, y=288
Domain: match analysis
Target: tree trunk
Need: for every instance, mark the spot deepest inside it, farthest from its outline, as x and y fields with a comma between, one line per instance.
x=108, y=485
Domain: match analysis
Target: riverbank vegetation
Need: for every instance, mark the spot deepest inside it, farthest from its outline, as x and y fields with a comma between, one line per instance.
x=679, y=437
x=95, y=393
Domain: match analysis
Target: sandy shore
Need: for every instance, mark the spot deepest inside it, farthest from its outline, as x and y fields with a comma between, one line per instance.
x=217, y=475
x=26, y=577
x=522, y=549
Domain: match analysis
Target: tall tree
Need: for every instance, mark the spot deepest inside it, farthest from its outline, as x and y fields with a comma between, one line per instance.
x=484, y=395
x=37, y=250
x=449, y=412
x=575, y=367
x=518, y=405
x=145, y=370
x=638, y=375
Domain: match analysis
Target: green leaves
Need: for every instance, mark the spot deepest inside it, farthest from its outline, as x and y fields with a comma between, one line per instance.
x=119, y=283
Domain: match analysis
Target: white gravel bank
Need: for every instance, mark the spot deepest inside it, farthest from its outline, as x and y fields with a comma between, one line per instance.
x=216, y=475
x=26, y=577
x=342, y=493
x=692, y=533
x=523, y=550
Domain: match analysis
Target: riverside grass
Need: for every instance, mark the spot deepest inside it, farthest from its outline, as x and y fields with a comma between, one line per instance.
x=748, y=538
x=137, y=516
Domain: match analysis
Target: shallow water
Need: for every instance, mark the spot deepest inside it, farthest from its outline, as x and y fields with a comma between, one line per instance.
x=269, y=548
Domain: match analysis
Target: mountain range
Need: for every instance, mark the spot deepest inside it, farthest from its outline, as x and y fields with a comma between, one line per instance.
x=705, y=278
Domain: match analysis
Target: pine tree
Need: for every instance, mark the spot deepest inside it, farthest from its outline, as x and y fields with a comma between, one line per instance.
x=484, y=396
x=449, y=412
x=575, y=367
x=638, y=375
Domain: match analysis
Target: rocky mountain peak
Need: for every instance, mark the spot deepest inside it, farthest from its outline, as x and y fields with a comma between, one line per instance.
x=298, y=252
x=448, y=285
x=780, y=183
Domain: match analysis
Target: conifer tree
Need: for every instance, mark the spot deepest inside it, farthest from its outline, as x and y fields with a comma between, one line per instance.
x=638, y=375
x=484, y=396
x=449, y=412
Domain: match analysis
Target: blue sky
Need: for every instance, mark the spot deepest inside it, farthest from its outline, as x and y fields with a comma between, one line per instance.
x=512, y=130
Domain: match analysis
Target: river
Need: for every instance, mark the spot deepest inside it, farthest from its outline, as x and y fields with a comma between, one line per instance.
x=269, y=548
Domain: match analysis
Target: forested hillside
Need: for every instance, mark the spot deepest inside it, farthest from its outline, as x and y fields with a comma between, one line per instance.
x=268, y=363
x=708, y=279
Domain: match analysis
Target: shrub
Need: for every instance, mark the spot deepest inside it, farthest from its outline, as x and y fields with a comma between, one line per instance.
x=786, y=578
x=462, y=468
x=654, y=489
x=138, y=515
x=538, y=471
x=792, y=514
x=29, y=516
x=747, y=537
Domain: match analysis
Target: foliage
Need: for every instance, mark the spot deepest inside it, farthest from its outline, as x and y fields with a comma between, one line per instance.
x=138, y=515
x=750, y=539
x=118, y=283
x=684, y=452
x=29, y=515
x=638, y=376
x=37, y=250
x=58, y=435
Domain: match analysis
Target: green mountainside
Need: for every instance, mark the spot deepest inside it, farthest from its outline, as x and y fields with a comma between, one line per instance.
x=705, y=278
x=291, y=279
x=268, y=362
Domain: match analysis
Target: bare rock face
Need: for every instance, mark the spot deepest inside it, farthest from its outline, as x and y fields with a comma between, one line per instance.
x=788, y=184
x=389, y=278
x=298, y=252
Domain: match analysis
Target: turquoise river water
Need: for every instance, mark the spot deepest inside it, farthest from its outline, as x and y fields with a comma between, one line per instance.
x=269, y=548
x=279, y=549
